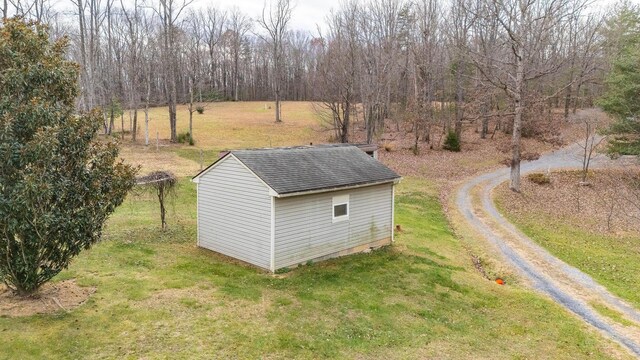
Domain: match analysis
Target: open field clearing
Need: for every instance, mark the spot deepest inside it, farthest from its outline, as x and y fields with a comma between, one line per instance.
x=159, y=296
x=236, y=125
x=223, y=125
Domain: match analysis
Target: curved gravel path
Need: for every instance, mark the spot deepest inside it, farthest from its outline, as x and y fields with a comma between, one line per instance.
x=565, y=284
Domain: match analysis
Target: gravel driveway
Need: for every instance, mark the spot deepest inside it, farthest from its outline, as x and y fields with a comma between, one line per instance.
x=565, y=284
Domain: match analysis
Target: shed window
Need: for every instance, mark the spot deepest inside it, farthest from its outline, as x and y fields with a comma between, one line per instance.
x=340, y=208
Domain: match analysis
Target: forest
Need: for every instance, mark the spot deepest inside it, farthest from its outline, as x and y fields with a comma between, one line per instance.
x=426, y=64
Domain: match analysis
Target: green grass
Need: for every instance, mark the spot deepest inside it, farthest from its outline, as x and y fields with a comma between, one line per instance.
x=612, y=261
x=194, y=154
x=159, y=296
x=611, y=314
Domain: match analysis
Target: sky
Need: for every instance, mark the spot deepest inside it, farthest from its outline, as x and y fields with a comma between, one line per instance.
x=306, y=13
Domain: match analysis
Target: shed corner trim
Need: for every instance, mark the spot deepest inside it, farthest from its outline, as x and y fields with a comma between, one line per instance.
x=273, y=234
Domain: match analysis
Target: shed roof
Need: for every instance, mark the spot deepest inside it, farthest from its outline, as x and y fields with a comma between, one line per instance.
x=299, y=169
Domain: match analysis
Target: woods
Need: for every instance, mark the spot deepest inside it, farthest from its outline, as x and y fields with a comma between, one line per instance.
x=428, y=66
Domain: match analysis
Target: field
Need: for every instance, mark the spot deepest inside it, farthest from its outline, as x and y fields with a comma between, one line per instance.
x=159, y=296
x=223, y=125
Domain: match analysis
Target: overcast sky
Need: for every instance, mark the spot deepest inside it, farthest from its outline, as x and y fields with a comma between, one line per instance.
x=307, y=14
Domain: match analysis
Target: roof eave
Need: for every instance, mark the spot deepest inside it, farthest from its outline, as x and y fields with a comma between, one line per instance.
x=338, y=188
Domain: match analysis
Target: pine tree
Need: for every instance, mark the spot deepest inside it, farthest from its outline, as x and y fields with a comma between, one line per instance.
x=622, y=96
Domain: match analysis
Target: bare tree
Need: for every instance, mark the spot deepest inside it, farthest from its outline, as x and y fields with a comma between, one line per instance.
x=590, y=143
x=134, y=49
x=529, y=33
x=275, y=21
x=461, y=22
x=338, y=68
x=215, y=21
x=169, y=12
x=239, y=26
x=195, y=69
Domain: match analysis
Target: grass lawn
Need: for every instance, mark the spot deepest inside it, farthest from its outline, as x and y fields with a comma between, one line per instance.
x=233, y=125
x=159, y=296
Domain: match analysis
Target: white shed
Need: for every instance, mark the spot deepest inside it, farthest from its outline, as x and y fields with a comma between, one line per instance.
x=275, y=208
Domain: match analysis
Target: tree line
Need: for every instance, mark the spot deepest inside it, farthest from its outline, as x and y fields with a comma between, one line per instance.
x=429, y=65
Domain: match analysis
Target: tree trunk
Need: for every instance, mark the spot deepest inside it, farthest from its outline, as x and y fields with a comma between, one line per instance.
x=344, y=133
x=517, y=123
x=236, y=76
x=146, y=124
x=459, y=99
x=567, y=102
x=163, y=211
x=191, y=112
x=576, y=96
x=134, y=131
x=111, y=120
x=278, y=119
x=170, y=73
x=173, y=117
x=146, y=107
x=485, y=121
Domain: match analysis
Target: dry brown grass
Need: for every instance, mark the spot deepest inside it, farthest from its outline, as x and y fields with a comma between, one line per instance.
x=149, y=159
x=233, y=125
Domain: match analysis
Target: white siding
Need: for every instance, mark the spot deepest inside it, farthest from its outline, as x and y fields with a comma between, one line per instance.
x=305, y=231
x=234, y=213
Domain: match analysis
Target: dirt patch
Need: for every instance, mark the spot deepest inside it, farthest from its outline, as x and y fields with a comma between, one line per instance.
x=51, y=298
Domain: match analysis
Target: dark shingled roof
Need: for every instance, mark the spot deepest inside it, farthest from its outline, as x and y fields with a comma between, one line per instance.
x=290, y=170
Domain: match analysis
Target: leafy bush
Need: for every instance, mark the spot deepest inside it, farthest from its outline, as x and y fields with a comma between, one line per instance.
x=59, y=184
x=539, y=178
x=200, y=109
x=183, y=137
x=452, y=142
